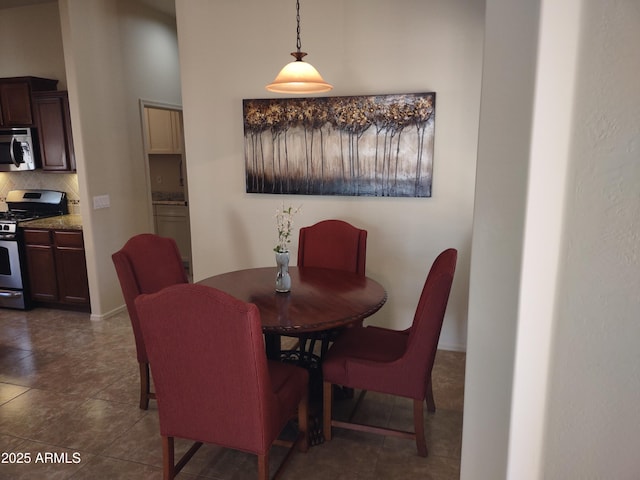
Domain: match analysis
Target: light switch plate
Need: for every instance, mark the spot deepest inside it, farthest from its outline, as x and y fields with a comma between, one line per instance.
x=101, y=201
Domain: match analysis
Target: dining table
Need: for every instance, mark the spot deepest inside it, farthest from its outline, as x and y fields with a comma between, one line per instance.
x=320, y=300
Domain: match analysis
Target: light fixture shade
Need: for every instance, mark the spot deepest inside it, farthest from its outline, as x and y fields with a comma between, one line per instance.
x=299, y=77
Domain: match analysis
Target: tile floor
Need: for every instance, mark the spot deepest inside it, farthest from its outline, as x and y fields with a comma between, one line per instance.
x=69, y=399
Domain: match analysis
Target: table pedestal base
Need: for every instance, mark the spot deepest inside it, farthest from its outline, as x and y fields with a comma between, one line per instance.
x=307, y=356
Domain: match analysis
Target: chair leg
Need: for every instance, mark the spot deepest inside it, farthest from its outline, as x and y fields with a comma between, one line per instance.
x=327, y=398
x=418, y=423
x=303, y=422
x=431, y=403
x=168, y=459
x=145, y=386
x=263, y=466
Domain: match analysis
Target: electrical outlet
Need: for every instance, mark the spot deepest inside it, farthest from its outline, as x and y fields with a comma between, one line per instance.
x=101, y=201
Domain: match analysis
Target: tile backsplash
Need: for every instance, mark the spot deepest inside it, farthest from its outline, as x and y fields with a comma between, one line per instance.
x=64, y=182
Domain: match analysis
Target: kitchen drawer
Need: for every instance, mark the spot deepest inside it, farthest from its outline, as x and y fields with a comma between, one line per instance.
x=68, y=239
x=37, y=237
x=171, y=210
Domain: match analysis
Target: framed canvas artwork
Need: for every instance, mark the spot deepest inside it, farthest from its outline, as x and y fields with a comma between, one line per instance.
x=377, y=145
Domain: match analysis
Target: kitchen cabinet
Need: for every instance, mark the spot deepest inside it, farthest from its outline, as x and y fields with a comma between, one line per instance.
x=173, y=221
x=41, y=265
x=57, y=267
x=164, y=131
x=54, y=131
x=16, y=99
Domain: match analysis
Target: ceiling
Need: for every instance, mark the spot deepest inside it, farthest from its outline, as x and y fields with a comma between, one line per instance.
x=165, y=6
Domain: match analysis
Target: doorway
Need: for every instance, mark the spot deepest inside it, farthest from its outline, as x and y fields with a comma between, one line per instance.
x=166, y=173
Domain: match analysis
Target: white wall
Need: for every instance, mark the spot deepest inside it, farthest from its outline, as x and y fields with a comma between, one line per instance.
x=97, y=100
x=593, y=421
x=552, y=376
x=544, y=223
x=501, y=186
x=31, y=43
x=111, y=64
x=363, y=47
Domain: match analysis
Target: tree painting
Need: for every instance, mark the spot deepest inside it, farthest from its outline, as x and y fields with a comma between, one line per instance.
x=379, y=145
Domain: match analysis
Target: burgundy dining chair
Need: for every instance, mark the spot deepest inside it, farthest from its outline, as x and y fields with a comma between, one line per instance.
x=391, y=361
x=146, y=264
x=333, y=244
x=213, y=381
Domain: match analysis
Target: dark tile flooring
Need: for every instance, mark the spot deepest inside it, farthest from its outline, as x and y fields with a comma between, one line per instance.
x=69, y=399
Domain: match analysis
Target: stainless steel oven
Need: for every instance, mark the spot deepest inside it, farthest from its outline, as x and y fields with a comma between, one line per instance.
x=23, y=205
x=17, y=150
x=11, y=280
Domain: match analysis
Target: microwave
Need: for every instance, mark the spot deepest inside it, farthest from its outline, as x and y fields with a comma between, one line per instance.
x=17, y=149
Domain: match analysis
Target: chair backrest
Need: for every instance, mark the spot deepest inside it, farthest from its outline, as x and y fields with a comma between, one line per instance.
x=333, y=244
x=146, y=264
x=424, y=333
x=209, y=367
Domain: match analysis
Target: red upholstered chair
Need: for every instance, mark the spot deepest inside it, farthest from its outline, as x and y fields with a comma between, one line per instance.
x=213, y=381
x=390, y=361
x=333, y=244
x=146, y=264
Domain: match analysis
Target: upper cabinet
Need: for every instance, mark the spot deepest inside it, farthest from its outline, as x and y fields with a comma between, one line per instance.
x=16, y=99
x=54, y=131
x=35, y=102
x=164, y=131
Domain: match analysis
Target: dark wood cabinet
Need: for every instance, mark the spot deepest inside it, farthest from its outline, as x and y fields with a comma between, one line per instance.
x=54, y=131
x=57, y=267
x=41, y=265
x=16, y=99
x=71, y=267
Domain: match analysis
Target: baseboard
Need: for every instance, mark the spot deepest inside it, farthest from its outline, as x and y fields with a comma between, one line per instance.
x=96, y=317
x=452, y=348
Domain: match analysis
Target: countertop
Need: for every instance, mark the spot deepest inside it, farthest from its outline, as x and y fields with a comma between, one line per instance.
x=61, y=222
x=169, y=202
x=168, y=198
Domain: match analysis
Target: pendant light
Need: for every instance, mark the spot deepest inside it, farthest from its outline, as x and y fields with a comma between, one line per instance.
x=299, y=76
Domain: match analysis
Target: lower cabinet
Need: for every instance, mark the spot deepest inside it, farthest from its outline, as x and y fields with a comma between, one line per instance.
x=173, y=221
x=57, y=267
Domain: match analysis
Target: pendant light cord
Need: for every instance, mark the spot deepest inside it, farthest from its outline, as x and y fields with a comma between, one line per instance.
x=299, y=54
x=298, y=42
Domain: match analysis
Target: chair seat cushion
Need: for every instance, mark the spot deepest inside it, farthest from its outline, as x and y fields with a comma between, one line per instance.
x=362, y=345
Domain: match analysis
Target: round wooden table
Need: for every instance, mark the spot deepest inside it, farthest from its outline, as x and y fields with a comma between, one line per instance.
x=320, y=298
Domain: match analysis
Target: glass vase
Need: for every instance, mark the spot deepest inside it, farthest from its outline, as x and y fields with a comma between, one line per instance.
x=283, y=279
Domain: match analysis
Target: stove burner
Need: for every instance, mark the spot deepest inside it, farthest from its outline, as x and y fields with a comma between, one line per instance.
x=16, y=216
x=23, y=205
x=26, y=205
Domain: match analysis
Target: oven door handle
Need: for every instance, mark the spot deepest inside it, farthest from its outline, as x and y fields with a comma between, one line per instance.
x=10, y=294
